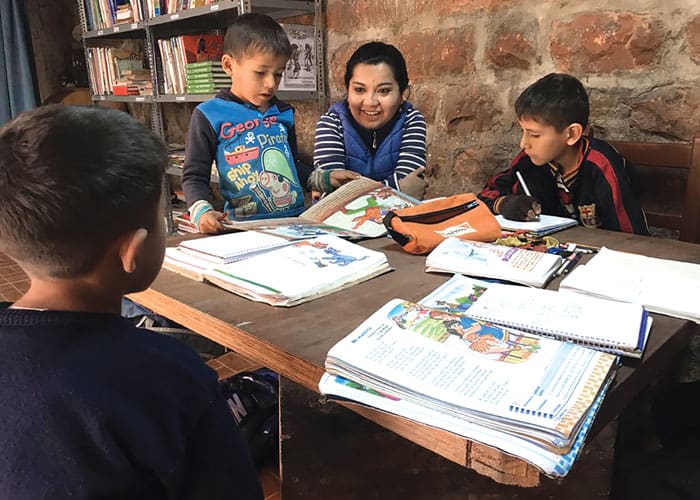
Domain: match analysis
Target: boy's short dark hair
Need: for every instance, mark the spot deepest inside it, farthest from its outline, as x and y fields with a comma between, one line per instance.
x=374, y=53
x=256, y=32
x=556, y=99
x=72, y=180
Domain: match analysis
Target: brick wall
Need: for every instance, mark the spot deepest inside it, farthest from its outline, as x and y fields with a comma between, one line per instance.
x=469, y=59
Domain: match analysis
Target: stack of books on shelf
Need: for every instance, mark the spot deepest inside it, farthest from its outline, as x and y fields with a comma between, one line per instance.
x=206, y=77
x=105, y=14
x=275, y=270
x=160, y=7
x=533, y=397
x=119, y=70
x=176, y=155
x=178, y=52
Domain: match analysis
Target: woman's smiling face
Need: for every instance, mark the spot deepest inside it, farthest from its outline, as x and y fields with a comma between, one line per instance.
x=373, y=95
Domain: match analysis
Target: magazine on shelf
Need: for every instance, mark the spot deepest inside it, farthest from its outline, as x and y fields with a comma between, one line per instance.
x=534, y=389
x=544, y=225
x=664, y=286
x=487, y=260
x=355, y=210
x=619, y=328
x=300, y=271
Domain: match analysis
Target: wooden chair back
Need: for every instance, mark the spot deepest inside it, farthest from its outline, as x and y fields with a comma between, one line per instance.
x=667, y=178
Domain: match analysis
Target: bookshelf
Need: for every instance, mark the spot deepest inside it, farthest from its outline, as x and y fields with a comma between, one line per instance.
x=140, y=35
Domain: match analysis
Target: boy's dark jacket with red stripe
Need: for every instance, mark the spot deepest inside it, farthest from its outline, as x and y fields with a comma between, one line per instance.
x=602, y=195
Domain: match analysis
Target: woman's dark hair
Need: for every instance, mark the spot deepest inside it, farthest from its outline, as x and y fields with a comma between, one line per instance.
x=374, y=53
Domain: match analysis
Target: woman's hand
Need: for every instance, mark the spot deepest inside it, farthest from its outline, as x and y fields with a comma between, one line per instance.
x=413, y=184
x=340, y=177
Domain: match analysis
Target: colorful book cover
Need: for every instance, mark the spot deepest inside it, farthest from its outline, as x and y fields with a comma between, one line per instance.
x=204, y=47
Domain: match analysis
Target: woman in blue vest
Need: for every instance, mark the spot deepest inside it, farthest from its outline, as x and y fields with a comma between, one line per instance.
x=375, y=132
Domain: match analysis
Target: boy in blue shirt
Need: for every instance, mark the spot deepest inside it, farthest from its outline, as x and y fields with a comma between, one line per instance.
x=560, y=171
x=247, y=131
x=93, y=407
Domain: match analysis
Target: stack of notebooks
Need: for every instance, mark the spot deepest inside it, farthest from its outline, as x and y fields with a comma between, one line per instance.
x=531, y=396
x=206, y=77
x=486, y=260
x=275, y=270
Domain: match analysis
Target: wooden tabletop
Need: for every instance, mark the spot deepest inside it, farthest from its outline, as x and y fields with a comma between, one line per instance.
x=294, y=341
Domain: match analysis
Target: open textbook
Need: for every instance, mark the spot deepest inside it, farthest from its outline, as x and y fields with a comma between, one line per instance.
x=545, y=224
x=616, y=327
x=535, y=389
x=487, y=260
x=663, y=286
x=301, y=271
x=355, y=210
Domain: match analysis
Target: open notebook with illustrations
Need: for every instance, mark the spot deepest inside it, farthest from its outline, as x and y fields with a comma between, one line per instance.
x=487, y=260
x=616, y=327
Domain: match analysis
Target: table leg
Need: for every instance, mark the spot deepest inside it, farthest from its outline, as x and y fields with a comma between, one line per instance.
x=329, y=452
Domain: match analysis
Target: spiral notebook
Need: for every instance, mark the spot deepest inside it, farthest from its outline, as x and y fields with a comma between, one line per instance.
x=616, y=327
x=232, y=247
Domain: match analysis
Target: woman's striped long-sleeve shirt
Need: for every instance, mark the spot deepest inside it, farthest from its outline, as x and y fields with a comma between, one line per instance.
x=330, y=149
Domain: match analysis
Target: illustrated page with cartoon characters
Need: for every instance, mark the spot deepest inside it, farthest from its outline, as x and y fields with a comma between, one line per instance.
x=257, y=174
x=489, y=375
x=493, y=261
x=359, y=206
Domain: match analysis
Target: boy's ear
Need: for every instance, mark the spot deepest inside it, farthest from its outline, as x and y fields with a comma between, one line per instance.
x=131, y=247
x=573, y=133
x=227, y=63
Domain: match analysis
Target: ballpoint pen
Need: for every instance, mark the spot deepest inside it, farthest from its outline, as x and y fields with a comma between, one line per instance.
x=525, y=188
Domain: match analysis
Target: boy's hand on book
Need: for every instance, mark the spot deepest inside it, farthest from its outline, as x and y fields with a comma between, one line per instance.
x=340, y=177
x=413, y=184
x=520, y=207
x=211, y=222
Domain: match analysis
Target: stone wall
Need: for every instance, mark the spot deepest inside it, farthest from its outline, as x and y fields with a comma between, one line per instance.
x=469, y=59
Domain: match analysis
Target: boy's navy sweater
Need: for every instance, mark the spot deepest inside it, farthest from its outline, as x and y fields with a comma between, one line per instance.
x=93, y=407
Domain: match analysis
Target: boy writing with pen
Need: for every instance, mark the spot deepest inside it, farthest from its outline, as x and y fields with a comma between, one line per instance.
x=559, y=170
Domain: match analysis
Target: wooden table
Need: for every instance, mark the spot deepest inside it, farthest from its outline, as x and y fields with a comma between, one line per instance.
x=294, y=341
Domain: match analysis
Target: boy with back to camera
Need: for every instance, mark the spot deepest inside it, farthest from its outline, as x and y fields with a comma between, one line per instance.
x=247, y=131
x=93, y=407
x=566, y=173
